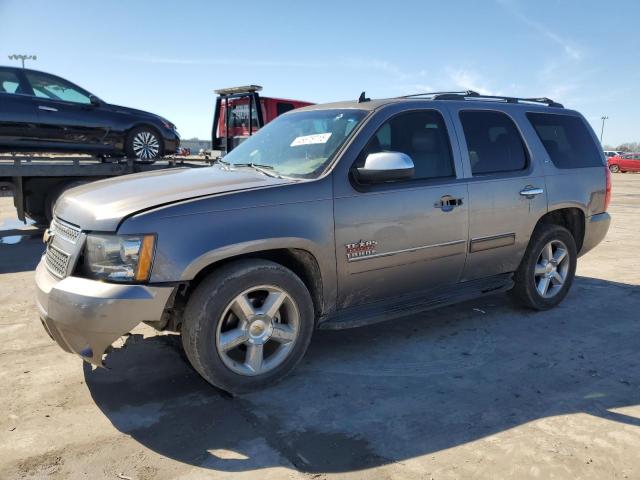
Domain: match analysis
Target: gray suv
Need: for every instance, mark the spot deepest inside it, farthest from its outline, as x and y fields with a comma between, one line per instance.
x=332, y=216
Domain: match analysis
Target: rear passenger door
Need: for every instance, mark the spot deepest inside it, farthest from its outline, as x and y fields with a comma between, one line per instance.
x=507, y=191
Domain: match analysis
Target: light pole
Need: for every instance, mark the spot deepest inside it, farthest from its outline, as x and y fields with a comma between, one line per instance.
x=603, y=118
x=22, y=58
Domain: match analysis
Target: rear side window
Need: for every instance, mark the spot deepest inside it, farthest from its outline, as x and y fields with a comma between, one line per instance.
x=566, y=140
x=493, y=141
x=9, y=82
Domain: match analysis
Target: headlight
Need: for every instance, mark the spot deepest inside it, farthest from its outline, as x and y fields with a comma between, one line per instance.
x=168, y=125
x=119, y=258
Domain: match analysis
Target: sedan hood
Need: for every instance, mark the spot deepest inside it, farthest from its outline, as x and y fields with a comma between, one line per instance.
x=102, y=205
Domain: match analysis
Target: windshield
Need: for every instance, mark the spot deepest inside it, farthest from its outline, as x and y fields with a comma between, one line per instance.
x=299, y=144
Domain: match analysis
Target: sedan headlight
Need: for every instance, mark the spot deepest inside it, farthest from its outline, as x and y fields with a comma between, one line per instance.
x=119, y=258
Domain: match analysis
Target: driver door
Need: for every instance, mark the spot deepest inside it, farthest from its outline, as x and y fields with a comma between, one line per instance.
x=404, y=237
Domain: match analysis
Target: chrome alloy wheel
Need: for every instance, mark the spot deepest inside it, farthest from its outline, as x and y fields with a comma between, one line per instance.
x=258, y=330
x=551, y=269
x=145, y=145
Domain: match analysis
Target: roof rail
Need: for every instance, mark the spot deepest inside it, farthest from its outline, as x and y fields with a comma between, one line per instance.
x=468, y=93
x=471, y=95
x=496, y=98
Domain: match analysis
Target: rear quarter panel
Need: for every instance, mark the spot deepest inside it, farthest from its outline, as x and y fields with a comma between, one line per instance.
x=582, y=188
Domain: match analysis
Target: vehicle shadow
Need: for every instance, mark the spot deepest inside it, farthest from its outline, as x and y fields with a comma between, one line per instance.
x=20, y=249
x=370, y=396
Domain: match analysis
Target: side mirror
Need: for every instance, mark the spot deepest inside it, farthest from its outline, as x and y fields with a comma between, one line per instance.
x=95, y=101
x=386, y=167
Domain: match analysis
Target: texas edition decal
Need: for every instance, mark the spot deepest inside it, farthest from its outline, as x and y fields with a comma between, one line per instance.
x=361, y=248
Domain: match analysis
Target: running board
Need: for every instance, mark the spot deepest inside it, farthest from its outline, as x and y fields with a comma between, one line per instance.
x=382, y=311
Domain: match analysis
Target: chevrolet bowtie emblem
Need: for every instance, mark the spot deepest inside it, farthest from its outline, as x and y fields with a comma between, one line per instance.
x=48, y=236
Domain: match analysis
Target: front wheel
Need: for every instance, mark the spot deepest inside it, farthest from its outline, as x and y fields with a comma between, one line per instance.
x=546, y=272
x=614, y=168
x=247, y=325
x=145, y=144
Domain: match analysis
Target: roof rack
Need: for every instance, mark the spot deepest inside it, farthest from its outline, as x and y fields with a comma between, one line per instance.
x=471, y=95
x=431, y=94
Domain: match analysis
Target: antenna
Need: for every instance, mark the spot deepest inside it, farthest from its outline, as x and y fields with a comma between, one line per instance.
x=363, y=98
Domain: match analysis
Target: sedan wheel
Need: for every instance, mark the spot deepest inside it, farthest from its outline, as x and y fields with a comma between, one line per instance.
x=614, y=168
x=146, y=145
x=257, y=330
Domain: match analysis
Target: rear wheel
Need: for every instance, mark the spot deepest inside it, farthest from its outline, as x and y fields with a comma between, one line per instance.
x=145, y=144
x=247, y=325
x=546, y=272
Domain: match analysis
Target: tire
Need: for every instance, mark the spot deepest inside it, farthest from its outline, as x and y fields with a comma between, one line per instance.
x=210, y=320
x=528, y=288
x=145, y=144
x=614, y=168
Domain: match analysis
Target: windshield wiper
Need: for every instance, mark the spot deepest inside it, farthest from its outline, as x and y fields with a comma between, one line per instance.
x=265, y=169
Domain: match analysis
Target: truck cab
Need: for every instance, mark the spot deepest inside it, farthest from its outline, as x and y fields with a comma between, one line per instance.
x=236, y=105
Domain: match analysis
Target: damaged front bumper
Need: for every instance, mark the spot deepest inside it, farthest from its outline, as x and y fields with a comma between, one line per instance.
x=86, y=316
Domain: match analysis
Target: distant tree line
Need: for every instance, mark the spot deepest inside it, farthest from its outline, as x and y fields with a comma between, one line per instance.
x=625, y=147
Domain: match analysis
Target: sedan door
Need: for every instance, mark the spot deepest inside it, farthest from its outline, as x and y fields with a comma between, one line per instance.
x=67, y=119
x=405, y=237
x=18, y=114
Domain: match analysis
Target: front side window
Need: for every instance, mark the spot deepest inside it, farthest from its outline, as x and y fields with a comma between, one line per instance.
x=45, y=86
x=566, y=140
x=493, y=141
x=300, y=144
x=420, y=135
x=9, y=82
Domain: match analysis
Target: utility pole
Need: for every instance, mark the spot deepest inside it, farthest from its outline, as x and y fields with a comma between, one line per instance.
x=22, y=58
x=603, y=118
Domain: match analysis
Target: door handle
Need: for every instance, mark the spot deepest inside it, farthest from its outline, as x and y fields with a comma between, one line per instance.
x=530, y=191
x=447, y=203
x=47, y=109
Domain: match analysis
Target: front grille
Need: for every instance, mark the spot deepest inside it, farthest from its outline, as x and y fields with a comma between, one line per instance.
x=65, y=230
x=57, y=261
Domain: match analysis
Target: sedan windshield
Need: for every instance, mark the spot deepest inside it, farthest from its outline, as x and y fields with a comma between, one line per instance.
x=298, y=144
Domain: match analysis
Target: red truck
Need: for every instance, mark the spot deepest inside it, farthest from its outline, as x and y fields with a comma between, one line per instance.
x=236, y=105
x=627, y=162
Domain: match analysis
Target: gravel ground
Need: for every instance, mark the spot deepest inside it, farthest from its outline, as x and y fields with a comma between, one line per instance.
x=479, y=390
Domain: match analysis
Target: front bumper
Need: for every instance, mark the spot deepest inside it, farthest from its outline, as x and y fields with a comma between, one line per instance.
x=595, y=230
x=86, y=316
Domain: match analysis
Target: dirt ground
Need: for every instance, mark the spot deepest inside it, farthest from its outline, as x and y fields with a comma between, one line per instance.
x=479, y=390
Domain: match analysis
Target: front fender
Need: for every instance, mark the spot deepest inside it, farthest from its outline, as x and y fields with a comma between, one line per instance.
x=195, y=234
x=253, y=246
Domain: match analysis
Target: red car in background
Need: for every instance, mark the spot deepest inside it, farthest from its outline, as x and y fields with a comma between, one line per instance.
x=628, y=162
x=236, y=105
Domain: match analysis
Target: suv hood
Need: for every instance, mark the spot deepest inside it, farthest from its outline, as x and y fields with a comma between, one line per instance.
x=102, y=205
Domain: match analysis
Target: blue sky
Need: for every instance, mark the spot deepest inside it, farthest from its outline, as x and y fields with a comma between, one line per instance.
x=168, y=57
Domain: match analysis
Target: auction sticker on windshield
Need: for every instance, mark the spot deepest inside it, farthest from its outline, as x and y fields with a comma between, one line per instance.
x=311, y=139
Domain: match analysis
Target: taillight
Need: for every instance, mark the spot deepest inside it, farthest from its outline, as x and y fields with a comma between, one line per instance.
x=607, y=195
